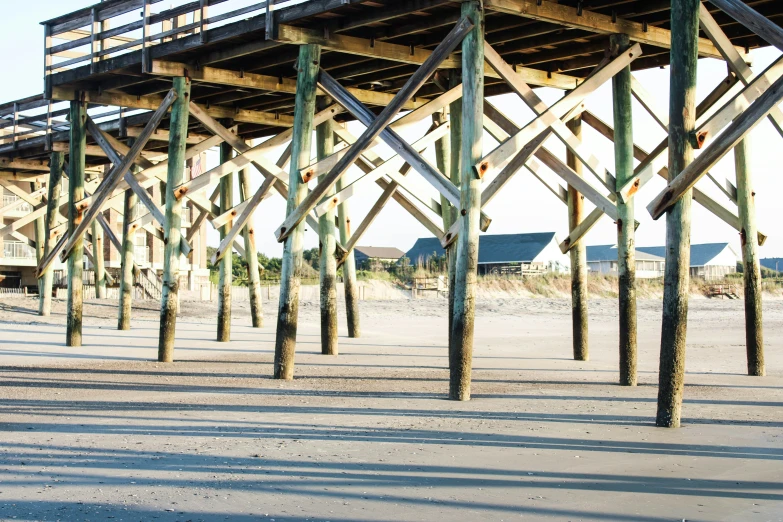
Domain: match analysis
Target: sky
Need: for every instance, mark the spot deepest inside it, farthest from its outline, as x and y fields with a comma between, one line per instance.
x=524, y=205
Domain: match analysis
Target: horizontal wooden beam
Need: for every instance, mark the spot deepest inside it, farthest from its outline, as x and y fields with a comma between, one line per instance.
x=23, y=164
x=261, y=82
x=407, y=54
x=593, y=22
x=152, y=102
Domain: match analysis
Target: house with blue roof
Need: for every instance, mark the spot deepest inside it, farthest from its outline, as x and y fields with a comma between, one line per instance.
x=504, y=253
x=602, y=259
x=708, y=260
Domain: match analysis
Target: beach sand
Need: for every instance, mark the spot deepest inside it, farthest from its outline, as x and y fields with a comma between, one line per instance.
x=103, y=431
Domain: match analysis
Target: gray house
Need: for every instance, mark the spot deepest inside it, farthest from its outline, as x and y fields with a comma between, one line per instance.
x=367, y=256
x=602, y=259
x=708, y=261
x=503, y=253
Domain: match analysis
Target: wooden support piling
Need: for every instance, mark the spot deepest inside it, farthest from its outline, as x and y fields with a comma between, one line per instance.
x=682, y=121
x=349, y=268
x=56, y=161
x=39, y=234
x=626, y=242
x=324, y=136
x=455, y=167
x=288, y=308
x=225, y=279
x=99, y=266
x=578, y=254
x=461, y=344
x=178, y=133
x=130, y=214
x=251, y=253
x=754, y=333
x=76, y=168
x=443, y=157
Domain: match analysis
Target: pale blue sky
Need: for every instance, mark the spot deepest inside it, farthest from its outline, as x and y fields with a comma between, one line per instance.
x=524, y=205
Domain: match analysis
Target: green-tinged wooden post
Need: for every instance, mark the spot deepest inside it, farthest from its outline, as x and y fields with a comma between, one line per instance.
x=443, y=156
x=178, y=134
x=324, y=142
x=626, y=241
x=754, y=333
x=443, y=160
x=225, y=279
x=455, y=143
x=76, y=167
x=682, y=120
x=99, y=266
x=130, y=213
x=461, y=345
x=349, y=267
x=40, y=237
x=578, y=254
x=56, y=162
x=251, y=252
x=288, y=308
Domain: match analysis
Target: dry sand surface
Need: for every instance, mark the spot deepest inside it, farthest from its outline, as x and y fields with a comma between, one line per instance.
x=102, y=432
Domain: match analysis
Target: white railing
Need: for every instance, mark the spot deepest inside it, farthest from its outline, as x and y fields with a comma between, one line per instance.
x=17, y=250
x=108, y=29
x=22, y=207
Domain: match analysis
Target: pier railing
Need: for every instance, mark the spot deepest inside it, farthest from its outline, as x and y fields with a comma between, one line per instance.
x=115, y=27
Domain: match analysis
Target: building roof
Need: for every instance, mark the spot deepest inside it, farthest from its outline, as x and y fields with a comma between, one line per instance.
x=701, y=255
x=597, y=253
x=496, y=248
x=773, y=263
x=380, y=252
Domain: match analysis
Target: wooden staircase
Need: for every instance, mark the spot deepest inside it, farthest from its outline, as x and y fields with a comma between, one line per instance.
x=150, y=284
x=723, y=291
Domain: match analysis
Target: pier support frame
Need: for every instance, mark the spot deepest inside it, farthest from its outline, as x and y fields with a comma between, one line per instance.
x=56, y=161
x=626, y=243
x=754, y=333
x=225, y=279
x=578, y=255
x=130, y=214
x=251, y=255
x=349, y=268
x=98, y=262
x=76, y=168
x=324, y=136
x=288, y=308
x=178, y=132
x=682, y=121
x=461, y=343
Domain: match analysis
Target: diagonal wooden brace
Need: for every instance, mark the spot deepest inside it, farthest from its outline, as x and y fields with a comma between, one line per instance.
x=414, y=83
x=537, y=105
x=106, y=188
x=386, y=168
x=729, y=139
x=116, y=158
x=240, y=146
x=369, y=218
x=736, y=63
x=730, y=111
x=498, y=157
x=251, y=156
x=406, y=151
x=426, y=110
x=753, y=20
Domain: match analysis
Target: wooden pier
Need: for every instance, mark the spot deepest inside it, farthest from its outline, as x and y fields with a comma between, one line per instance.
x=135, y=89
